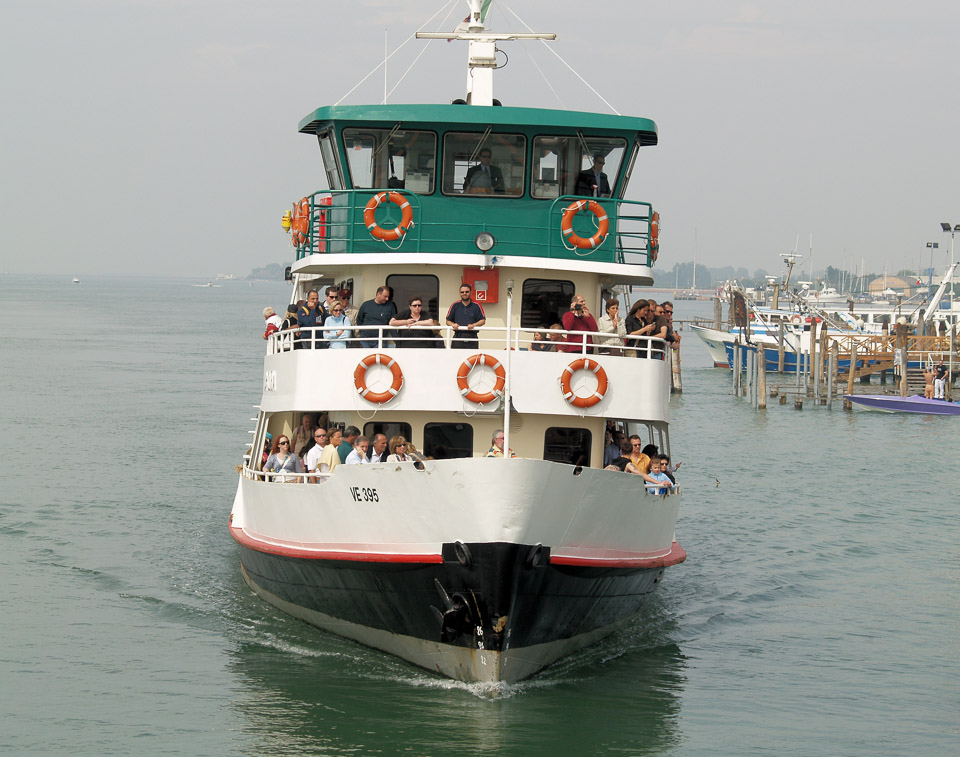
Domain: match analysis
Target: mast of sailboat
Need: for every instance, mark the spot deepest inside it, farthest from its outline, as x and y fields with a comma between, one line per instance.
x=693, y=285
x=482, y=51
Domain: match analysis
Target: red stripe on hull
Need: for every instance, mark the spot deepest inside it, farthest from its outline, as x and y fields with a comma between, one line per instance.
x=290, y=550
x=609, y=559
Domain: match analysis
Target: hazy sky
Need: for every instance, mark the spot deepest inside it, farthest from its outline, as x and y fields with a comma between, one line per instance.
x=160, y=136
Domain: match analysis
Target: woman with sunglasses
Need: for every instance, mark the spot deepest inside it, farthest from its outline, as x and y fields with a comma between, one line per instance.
x=329, y=457
x=639, y=324
x=336, y=329
x=282, y=460
x=398, y=450
x=417, y=320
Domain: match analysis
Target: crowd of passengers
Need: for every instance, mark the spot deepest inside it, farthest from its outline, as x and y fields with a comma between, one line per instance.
x=628, y=454
x=619, y=336
x=343, y=325
x=312, y=450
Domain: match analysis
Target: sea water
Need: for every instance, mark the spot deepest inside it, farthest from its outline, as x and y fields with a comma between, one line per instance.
x=816, y=613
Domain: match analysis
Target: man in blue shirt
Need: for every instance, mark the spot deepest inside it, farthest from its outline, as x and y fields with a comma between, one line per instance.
x=466, y=316
x=375, y=312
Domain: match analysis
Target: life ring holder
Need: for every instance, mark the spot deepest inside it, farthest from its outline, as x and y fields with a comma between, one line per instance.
x=583, y=364
x=566, y=224
x=370, y=212
x=654, y=243
x=360, y=378
x=300, y=225
x=464, y=372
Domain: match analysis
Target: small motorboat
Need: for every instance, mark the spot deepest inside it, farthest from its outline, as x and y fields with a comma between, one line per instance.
x=916, y=404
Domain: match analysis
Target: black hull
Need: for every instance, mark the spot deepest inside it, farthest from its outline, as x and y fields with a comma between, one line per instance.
x=464, y=616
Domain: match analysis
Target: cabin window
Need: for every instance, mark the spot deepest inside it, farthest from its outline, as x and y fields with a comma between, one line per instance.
x=391, y=159
x=654, y=434
x=388, y=429
x=567, y=445
x=564, y=166
x=488, y=164
x=330, y=163
x=403, y=286
x=443, y=441
x=543, y=302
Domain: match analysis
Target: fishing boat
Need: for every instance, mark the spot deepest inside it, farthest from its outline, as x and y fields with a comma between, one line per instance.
x=916, y=404
x=483, y=567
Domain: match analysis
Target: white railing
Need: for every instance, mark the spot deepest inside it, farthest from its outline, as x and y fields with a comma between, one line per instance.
x=321, y=478
x=489, y=337
x=284, y=477
x=652, y=490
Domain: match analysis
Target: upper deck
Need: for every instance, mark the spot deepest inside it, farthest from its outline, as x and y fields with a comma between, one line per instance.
x=466, y=169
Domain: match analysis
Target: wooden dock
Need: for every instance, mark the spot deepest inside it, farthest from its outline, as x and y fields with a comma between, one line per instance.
x=839, y=365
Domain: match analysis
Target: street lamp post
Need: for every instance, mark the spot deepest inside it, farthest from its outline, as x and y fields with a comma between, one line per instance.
x=952, y=231
x=931, y=246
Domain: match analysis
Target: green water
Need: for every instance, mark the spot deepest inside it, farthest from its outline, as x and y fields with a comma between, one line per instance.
x=816, y=613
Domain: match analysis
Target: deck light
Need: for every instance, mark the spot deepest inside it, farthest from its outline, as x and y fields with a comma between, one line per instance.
x=485, y=241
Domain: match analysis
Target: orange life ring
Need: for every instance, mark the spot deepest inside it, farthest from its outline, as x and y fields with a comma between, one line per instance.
x=796, y=319
x=300, y=225
x=654, y=236
x=370, y=212
x=603, y=226
x=583, y=364
x=468, y=365
x=360, y=378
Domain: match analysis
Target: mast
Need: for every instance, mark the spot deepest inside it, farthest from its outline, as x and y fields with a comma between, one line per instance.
x=482, y=51
x=693, y=286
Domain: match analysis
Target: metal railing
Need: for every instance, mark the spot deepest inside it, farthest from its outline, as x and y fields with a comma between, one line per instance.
x=336, y=222
x=489, y=337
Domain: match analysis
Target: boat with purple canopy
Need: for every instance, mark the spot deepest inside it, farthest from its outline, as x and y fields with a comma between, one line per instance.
x=916, y=404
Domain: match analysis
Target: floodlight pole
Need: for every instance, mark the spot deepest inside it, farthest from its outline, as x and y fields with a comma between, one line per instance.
x=952, y=231
x=931, y=246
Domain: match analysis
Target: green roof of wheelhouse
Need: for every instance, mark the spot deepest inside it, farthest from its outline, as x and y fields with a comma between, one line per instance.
x=479, y=116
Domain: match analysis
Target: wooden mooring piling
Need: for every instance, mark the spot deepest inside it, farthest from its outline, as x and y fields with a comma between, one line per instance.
x=832, y=366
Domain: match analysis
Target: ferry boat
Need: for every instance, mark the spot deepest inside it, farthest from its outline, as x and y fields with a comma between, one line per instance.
x=481, y=568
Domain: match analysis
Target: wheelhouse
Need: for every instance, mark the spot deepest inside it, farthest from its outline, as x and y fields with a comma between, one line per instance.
x=536, y=164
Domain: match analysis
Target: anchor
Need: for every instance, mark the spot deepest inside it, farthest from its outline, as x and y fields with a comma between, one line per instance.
x=455, y=619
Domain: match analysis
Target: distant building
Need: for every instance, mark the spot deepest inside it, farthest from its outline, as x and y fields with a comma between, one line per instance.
x=893, y=284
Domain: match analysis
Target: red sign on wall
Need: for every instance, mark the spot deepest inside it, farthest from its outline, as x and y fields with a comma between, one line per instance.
x=485, y=283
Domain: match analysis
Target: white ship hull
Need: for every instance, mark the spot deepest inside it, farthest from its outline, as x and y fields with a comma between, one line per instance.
x=499, y=532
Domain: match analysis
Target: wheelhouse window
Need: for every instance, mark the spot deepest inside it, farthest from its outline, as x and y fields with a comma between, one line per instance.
x=543, y=302
x=403, y=286
x=488, y=164
x=567, y=445
x=391, y=159
x=443, y=441
x=389, y=430
x=576, y=166
x=331, y=165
